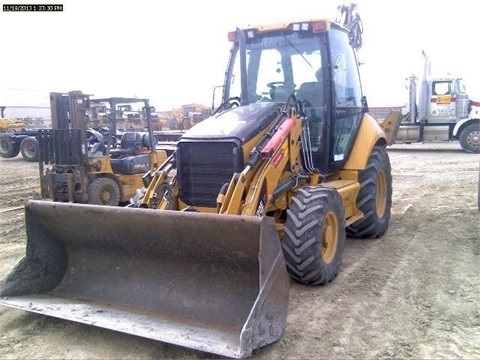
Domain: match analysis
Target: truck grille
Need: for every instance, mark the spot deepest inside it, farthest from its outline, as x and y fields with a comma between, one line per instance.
x=203, y=168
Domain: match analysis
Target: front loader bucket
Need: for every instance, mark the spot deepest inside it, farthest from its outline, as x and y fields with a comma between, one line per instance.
x=215, y=283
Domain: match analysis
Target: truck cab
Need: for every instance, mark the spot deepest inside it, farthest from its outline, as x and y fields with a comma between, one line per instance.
x=446, y=101
x=440, y=110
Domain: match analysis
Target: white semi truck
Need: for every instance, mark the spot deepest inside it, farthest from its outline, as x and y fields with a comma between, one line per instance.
x=440, y=110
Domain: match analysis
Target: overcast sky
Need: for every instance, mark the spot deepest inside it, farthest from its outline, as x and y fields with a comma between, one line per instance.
x=175, y=52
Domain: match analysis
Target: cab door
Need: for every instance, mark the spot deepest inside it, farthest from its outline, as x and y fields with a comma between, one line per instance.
x=442, y=102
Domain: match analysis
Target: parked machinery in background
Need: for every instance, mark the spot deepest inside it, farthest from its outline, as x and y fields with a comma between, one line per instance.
x=439, y=111
x=83, y=165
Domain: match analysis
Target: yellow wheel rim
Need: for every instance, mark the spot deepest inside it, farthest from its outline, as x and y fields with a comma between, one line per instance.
x=381, y=198
x=329, y=237
x=106, y=196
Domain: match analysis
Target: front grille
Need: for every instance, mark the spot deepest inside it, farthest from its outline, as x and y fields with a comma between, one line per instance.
x=203, y=168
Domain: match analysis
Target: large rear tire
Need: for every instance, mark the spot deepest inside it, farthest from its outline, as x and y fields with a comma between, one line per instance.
x=29, y=149
x=314, y=235
x=374, y=197
x=7, y=148
x=103, y=191
x=470, y=138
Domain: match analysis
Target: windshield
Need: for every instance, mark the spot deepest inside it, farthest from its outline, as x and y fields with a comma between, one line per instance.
x=276, y=66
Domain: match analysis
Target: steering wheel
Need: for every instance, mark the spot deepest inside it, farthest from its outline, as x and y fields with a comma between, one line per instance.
x=94, y=141
x=275, y=84
x=233, y=102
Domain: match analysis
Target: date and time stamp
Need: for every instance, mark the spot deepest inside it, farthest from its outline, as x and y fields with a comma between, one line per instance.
x=32, y=7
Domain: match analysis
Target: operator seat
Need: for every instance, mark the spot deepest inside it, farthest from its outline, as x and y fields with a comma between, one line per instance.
x=130, y=144
x=279, y=93
x=310, y=94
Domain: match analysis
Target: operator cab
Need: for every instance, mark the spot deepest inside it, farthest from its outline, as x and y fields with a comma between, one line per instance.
x=310, y=65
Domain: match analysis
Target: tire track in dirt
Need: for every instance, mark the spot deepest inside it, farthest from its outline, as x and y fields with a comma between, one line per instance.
x=19, y=180
x=390, y=293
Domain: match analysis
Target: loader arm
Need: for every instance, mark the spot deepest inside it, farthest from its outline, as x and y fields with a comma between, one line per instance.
x=277, y=154
x=155, y=182
x=250, y=190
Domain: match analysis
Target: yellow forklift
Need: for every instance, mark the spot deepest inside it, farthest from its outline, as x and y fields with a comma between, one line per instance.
x=94, y=166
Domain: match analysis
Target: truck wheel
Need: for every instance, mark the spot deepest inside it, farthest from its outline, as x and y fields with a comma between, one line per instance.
x=7, y=148
x=103, y=191
x=374, y=197
x=314, y=235
x=470, y=138
x=29, y=149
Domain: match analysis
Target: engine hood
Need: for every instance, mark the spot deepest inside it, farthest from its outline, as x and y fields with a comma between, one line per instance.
x=241, y=123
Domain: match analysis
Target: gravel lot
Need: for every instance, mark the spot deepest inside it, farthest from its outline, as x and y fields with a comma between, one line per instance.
x=414, y=293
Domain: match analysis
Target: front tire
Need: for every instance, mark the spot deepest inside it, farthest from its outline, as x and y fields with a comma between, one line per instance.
x=314, y=235
x=103, y=191
x=29, y=149
x=470, y=138
x=374, y=197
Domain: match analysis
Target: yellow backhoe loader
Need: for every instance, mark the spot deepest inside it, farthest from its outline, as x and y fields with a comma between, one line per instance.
x=265, y=189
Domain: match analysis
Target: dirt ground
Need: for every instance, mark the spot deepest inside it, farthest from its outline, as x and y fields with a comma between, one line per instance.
x=414, y=293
